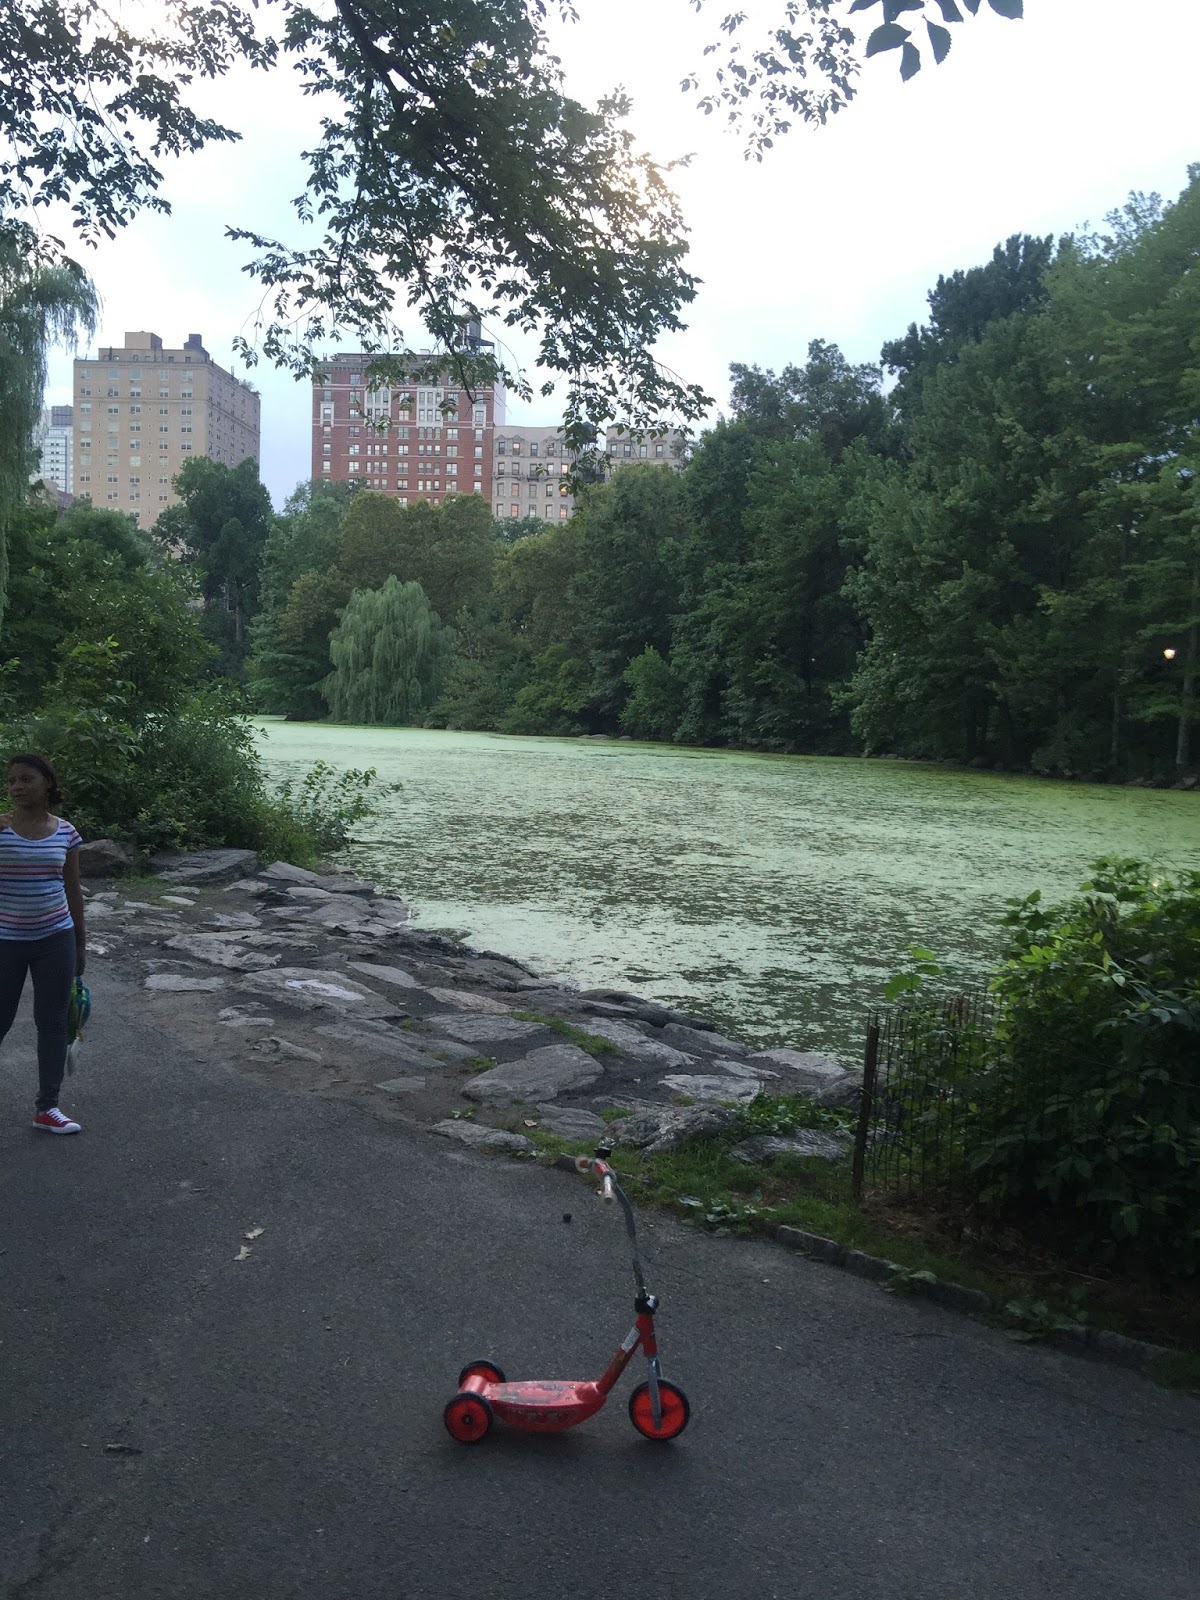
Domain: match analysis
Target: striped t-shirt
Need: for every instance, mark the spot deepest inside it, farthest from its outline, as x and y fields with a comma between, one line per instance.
x=33, y=902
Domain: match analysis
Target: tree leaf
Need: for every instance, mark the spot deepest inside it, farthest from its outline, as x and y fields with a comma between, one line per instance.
x=889, y=37
x=862, y=5
x=1008, y=8
x=950, y=12
x=893, y=8
x=972, y=6
x=940, y=39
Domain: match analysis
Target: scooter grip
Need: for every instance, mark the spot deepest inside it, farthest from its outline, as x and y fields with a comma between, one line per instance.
x=606, y=1193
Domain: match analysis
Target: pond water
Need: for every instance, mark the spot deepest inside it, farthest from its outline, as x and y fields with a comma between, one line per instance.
x=772, y=893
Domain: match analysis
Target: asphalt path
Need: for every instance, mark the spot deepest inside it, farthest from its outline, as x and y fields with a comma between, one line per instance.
x=278, y=1418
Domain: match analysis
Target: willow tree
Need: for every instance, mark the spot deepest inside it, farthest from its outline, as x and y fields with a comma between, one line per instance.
x=41, y=302
x=389, y=655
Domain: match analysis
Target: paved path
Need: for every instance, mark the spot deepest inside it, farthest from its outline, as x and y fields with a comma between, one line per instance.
x=286, y=1409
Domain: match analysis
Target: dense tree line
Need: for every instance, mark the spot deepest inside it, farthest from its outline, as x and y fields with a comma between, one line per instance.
x=981, y=549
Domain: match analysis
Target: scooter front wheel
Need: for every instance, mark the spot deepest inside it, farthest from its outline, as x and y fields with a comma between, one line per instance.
x=673, y=1408
x=468, y=1418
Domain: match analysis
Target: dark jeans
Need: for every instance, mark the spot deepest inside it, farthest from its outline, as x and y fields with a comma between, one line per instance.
x=52, y=962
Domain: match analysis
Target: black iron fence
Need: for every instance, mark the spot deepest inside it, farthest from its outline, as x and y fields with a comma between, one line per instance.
x=926, y=1098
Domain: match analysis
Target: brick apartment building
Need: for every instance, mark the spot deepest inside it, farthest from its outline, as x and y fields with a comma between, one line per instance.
x=532, y=467
x=422, y=442
x=414, y=441
x=141, y=411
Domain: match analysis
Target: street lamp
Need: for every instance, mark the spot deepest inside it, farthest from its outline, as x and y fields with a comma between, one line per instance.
x=1169, y=653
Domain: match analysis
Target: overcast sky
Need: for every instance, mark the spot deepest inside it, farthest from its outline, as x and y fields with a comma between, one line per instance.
x=1034, y=126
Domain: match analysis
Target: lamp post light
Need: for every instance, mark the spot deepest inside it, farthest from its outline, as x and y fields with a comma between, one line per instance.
x=1169, y=653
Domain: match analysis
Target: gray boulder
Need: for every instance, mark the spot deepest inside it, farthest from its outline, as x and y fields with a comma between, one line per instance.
x=668, y=1127
x=106, y=858
x=633, y=1042
x=717, y=1088
x=484, y=1138
x=221, y=950
x=541, y=1075
x=814, y=1143
x=202, y=866
x=800, y=1071
x=569, y=1123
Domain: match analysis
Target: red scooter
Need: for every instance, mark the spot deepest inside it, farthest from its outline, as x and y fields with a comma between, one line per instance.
x=657, y=1409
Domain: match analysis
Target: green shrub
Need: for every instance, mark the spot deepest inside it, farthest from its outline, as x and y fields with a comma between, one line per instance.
x=1092, y=1120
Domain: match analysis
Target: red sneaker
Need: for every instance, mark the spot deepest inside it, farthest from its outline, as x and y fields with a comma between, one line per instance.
x=53, y=1121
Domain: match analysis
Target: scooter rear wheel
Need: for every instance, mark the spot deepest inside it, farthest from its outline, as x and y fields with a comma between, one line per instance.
x=468, y=1418
x=481, y=1369
x=673, y=1406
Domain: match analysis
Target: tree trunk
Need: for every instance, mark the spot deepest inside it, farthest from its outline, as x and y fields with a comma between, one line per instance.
x=1187, y=700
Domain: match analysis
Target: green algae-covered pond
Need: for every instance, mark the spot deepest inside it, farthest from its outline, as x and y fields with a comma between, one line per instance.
x=774, y=893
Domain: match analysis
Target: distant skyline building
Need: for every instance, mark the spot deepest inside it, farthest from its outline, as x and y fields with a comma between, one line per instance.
x=141, y=411
x=53, y=444
x=413, y=441
x=532, y=468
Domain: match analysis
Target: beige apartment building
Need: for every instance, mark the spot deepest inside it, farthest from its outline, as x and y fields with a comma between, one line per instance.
x=141, y=411
x=532, y=466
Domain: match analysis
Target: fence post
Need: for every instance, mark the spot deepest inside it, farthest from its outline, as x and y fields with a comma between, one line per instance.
x=865, y=1108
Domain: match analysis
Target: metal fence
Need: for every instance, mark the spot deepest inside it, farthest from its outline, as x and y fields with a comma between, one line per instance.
x=925, y=1089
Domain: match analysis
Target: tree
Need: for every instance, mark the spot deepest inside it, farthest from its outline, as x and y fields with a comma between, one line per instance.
x=220, y=526
x=389, y=654
x=452, y=170
x=291, y=651
x=41, y=300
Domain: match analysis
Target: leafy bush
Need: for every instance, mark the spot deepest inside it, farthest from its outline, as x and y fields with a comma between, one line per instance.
x=1095, y=1087
x=781, y=1114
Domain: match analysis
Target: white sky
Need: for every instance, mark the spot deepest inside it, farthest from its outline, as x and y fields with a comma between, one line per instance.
x=1033, y=126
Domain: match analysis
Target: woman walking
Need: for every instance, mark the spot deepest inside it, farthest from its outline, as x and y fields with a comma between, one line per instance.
x=41, y=922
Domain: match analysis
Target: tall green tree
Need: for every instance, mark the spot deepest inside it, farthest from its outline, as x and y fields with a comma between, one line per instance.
x=42, y=300
x=220, y=527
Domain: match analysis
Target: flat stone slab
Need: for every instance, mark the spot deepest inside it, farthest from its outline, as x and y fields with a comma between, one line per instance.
x=181, y=983
x=316, y=990
x=807, y=1143
x=232, y=919
x=202, y=866
x=285, y=872
x=541, y=1075
x=482, y=1030
x=396, y=975
x=482, y=1138
x=569, y=1123
x=393, y=1047
x=633, y=1042
x=805, y=1061
x=693, y=1040
x=221, y=950
x=176, y=900
x=401, y=1085
x=471, y=1002
x=713, y=1087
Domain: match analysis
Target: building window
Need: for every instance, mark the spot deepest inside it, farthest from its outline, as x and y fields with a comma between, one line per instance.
x=353, y=467
x=327, y=466
x=164, y=394
x=185, y=427
x=514, y=511
x=326, y=449
x=642, y=450
x=533, y=449
x=354, y=449
x=564, y=512
x=185, y=445
x=85, y=477
x=501, y=469
x=480, y=414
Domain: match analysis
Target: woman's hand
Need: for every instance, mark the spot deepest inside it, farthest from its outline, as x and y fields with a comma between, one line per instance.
x=80, y=958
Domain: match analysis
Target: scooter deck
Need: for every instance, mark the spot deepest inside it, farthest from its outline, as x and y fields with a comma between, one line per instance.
x=544, y=1405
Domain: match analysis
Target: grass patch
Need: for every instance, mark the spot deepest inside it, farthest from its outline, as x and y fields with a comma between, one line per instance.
x=591, y=1042
x=615, y=1113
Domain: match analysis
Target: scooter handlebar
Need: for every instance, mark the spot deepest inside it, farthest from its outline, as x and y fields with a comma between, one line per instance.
x=595, y=1164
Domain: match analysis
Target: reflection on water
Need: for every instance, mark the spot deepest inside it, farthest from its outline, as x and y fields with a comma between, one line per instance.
x=773, y=893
